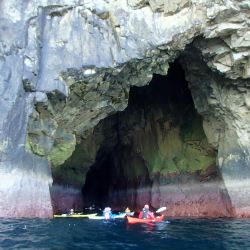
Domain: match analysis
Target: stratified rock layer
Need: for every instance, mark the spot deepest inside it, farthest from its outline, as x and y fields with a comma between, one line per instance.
x=65, y=65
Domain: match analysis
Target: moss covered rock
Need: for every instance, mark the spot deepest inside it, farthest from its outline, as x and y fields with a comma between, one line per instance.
x=63, y=148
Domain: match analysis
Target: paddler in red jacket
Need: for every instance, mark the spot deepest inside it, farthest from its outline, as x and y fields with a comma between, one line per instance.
x=145, y=213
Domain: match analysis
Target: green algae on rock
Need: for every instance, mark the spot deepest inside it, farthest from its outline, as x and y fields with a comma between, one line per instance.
x=63, y=148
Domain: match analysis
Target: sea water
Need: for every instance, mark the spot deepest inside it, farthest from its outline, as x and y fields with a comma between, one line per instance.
x=179, y=234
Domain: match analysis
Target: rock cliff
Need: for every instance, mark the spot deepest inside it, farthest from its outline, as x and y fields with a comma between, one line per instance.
x=68, y=64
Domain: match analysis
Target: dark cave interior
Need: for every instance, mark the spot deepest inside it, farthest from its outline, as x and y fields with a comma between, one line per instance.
x=159, y=134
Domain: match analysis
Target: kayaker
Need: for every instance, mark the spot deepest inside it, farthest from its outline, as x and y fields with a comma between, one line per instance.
x=107, y=213
x=127, y=210
x=92, y=207
x=145, y=213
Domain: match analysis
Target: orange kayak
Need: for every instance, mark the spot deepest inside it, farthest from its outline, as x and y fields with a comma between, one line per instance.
x=132, y=220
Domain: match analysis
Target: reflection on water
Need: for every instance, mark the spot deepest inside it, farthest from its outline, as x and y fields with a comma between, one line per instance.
x=117, y=234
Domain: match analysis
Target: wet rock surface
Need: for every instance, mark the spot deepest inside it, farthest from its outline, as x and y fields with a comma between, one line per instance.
x=66, y=65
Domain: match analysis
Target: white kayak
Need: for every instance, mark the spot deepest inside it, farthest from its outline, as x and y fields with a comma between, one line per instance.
x=114, y=216
x=79, y=215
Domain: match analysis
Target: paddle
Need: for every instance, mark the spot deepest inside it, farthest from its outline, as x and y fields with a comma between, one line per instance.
x=161, y=209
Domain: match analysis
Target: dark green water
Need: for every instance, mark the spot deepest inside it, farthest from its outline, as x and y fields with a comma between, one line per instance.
x=179, y=234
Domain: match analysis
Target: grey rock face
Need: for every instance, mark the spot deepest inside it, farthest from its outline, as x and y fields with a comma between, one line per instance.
x=226, y=124
x=67, y=64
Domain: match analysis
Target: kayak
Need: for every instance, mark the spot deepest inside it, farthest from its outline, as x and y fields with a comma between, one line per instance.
x=122, y=215
x=114, y=216
x=96, y=217
x=73, y=215
x=133, y=220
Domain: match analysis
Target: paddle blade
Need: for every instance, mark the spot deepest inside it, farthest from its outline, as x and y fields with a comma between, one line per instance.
x=161, y=209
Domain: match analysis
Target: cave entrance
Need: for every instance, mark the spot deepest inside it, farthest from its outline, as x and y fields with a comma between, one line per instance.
x=157, y=141
x=158, y=135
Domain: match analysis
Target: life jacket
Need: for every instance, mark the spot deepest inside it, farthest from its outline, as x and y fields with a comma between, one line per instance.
x=145, y=213
x=107, y=213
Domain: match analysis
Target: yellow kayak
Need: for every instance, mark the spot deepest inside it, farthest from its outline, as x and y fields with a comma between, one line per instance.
x=73, y=215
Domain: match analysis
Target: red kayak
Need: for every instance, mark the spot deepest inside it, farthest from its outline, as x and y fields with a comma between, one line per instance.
x=132, y=220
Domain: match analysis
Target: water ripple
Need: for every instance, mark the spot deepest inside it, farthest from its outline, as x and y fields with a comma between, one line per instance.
x=90, y=234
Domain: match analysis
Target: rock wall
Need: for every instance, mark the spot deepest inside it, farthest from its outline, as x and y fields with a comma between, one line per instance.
x=66, y=65
x=25, y=177
x=222, y=103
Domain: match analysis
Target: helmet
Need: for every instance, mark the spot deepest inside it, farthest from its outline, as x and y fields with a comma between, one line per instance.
x=107, y=209
x=146, y=206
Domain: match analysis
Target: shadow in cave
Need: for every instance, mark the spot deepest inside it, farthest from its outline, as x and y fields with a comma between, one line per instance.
x=151, y=138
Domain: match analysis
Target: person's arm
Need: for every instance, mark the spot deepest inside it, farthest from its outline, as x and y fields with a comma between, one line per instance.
x=151, y=215
x=140, y=215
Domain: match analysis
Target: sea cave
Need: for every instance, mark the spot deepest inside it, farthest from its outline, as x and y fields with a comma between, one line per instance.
x=155, y=151
x=123, y=103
